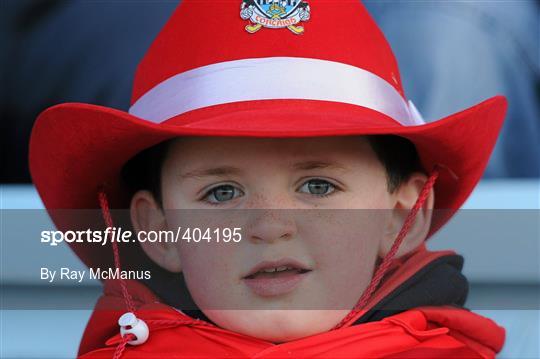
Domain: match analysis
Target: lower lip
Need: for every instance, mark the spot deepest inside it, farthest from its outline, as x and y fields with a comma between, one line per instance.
x=271, y=287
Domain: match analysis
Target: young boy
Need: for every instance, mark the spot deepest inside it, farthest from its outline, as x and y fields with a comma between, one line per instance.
x=290, y=123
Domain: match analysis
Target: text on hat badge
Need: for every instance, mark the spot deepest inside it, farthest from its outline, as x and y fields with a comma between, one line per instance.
x=275, y=14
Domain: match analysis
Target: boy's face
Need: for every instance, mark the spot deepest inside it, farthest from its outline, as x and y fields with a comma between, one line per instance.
x=297, y=202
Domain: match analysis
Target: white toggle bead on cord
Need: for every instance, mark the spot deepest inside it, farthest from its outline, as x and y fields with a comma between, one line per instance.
x=130, y=324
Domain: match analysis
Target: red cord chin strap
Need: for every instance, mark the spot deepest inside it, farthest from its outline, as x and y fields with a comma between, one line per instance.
x=387, y=260
x=105, y=211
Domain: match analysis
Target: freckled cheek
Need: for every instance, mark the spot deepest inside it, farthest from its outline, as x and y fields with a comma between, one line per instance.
x=209, y=271
x=344, y=243
x=211, y=267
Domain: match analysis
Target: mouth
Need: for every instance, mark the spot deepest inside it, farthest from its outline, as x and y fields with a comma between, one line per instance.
x=274, y=278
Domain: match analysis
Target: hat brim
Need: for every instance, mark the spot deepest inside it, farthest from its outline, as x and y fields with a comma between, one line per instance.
x=76, y=149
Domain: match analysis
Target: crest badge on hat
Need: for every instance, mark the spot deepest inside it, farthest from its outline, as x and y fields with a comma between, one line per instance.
x=275, y=14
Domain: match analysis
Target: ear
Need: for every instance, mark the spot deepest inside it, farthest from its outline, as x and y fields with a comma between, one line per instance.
x=404, y=198
x=147, y=215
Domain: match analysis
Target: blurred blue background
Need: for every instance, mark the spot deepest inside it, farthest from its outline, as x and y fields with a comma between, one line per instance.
x=452, y=54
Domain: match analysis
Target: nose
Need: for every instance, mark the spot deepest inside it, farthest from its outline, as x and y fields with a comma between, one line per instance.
x=270, y=226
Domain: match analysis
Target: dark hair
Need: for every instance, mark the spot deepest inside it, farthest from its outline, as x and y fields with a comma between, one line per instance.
x=143, y=172
x=399, y=157
x=397, y=154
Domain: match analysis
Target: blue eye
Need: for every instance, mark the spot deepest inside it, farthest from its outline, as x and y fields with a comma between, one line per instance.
x=222, y=193
x=318, y=187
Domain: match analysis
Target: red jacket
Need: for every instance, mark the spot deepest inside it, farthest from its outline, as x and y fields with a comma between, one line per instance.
x=425, y=331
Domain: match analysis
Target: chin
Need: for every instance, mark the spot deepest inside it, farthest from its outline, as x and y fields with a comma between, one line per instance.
x=277, y=326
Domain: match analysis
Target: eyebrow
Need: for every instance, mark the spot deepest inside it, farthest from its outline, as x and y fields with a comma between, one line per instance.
x=223, y=171
x=315, y=165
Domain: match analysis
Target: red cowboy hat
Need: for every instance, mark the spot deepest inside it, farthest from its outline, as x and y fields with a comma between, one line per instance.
x=242, y=68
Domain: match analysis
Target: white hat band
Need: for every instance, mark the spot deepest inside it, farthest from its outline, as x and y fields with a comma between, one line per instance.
x=273, y=78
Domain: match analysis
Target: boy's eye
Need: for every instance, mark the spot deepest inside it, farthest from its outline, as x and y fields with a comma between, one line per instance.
x=318, y=187
x=222, y=194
